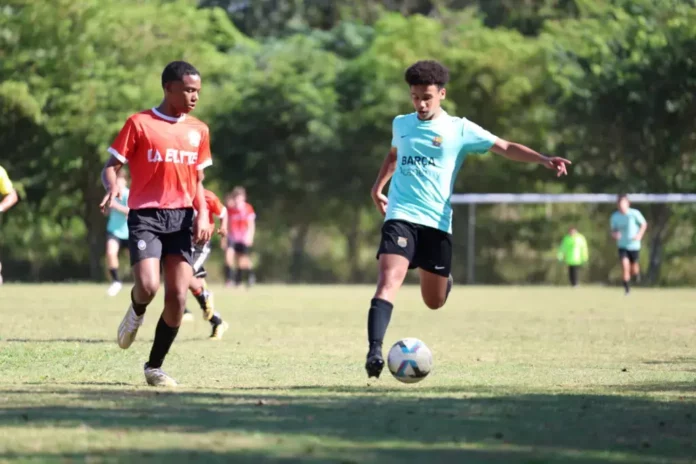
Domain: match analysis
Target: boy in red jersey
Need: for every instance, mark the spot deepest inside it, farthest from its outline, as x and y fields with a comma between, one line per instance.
x=167, y=151
x=198, y=286
x=241, y=229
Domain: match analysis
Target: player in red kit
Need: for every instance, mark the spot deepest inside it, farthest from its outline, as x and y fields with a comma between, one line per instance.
x=241, y=229
x=198, y=286
x=167, y=151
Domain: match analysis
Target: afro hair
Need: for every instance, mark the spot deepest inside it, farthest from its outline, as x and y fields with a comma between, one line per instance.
x=427, y=72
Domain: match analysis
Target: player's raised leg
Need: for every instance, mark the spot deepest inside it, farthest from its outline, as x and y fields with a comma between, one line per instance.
x=392, y=272
x=146, y=273
x=434, y=288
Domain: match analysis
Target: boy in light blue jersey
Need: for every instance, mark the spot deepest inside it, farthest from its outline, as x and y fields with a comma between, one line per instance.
x=628, y=227
x=428, y=148
x=117, y=233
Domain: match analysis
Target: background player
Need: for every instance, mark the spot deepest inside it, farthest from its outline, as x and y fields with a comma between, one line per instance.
x=240, y=238
x=628, y=227
x=573, y=251
x=117, y=232
x=9, y=198
x=167, y=151
x=428, y=149
x=198, y=286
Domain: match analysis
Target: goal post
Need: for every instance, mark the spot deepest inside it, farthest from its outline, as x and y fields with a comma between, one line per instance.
x=473, y=199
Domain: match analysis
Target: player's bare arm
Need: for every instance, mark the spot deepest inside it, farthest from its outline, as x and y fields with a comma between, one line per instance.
x=109, y=175
x=641, y=232
x=9, y=201
x=251, y=231
x=385, y=173
x=202, y=231
x=519, y=152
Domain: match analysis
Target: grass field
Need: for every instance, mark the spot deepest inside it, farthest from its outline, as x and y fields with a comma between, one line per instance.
x=529, y=375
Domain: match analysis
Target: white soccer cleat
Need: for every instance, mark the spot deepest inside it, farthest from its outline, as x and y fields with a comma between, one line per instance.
x=129, y=328
x=156, y=377
x=114, y=288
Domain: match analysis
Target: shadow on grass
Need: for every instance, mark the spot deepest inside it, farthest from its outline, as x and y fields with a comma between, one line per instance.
x=559, y=427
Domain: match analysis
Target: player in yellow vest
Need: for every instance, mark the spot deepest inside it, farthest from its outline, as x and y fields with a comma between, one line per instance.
x=9, y=198
x=573, y=251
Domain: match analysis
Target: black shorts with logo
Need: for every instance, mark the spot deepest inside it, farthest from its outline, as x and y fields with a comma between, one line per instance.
x=632, y=255
x=426, y=248
x=154, y=233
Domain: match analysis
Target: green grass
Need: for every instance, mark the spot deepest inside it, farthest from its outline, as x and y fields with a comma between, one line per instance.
x=529, y=375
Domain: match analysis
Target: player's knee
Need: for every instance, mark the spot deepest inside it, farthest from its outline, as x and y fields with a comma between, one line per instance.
x=148, y=288
x=436, y=302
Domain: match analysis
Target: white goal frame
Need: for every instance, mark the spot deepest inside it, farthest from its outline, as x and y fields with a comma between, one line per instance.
x=472, y=199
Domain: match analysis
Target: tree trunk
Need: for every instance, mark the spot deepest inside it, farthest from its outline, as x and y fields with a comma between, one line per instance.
x=660, y=214
x=299, y=242
x=92, y=194
x=352, y=247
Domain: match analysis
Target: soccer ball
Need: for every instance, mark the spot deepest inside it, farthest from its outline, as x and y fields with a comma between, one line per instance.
x=410, y=360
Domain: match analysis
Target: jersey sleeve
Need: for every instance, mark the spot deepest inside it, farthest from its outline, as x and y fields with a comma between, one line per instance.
x=394, y=132
x=205, y=158
x=215, y=205
x=125, y=143
x=5, y=183
x=638, y=216
x=612, y=222
x=476, y=139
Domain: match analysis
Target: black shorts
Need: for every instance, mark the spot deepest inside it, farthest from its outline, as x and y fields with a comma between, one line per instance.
x=200, y=256
x=426, y=248
x=241, y=248
x=632, y=255
x=122, y=242
x=155, y=232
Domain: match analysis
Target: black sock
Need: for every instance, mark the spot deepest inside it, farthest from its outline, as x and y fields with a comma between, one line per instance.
x=378, y=320
x=139, y=308
x=114, y=275
x=238, y=277
x=626, y=286
x=164, y=337
x=216, y=319
x=202, y=299
x=228, y=273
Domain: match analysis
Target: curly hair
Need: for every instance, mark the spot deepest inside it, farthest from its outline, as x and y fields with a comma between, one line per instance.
x=428, y=72
x=176, y=70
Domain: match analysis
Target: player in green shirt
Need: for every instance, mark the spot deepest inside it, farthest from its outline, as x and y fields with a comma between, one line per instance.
x=573, y=251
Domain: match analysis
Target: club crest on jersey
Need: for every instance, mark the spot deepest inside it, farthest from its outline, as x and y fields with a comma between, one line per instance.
x=402, y=242
x=194, y=138
x=437, y=140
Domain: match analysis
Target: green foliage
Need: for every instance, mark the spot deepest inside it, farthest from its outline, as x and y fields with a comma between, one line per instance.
x=300, y=96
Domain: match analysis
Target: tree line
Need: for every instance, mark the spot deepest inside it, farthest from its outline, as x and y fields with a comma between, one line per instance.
x=300, y=95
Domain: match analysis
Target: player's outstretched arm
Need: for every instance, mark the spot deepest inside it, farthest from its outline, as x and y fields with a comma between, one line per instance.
x=9, y=200
x=108, y=178
x=385, y=173
x=519, y=152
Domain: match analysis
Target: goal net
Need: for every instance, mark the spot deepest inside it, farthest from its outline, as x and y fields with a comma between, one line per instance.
x=514, y=238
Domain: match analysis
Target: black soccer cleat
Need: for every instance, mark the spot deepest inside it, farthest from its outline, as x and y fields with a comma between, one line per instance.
x=375, y=361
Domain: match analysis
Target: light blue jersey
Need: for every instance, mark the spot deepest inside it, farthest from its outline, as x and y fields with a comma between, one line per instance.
x=429, y=156
x=117, y=225
x=628, y=226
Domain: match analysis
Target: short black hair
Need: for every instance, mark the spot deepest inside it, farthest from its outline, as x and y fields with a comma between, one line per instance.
x=621, y=196
x=427, y=72
x=176, y=70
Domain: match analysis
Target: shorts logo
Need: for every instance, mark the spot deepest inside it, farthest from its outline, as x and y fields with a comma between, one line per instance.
x=437, y=141
x=194, y=138
x=402, y=242
x=142, y=245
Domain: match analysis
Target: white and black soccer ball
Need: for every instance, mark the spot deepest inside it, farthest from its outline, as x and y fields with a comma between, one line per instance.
x=410, y=360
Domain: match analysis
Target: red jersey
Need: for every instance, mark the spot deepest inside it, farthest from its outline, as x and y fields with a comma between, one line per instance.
x=165, y=155
x=215, y=207
x=238, y=220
